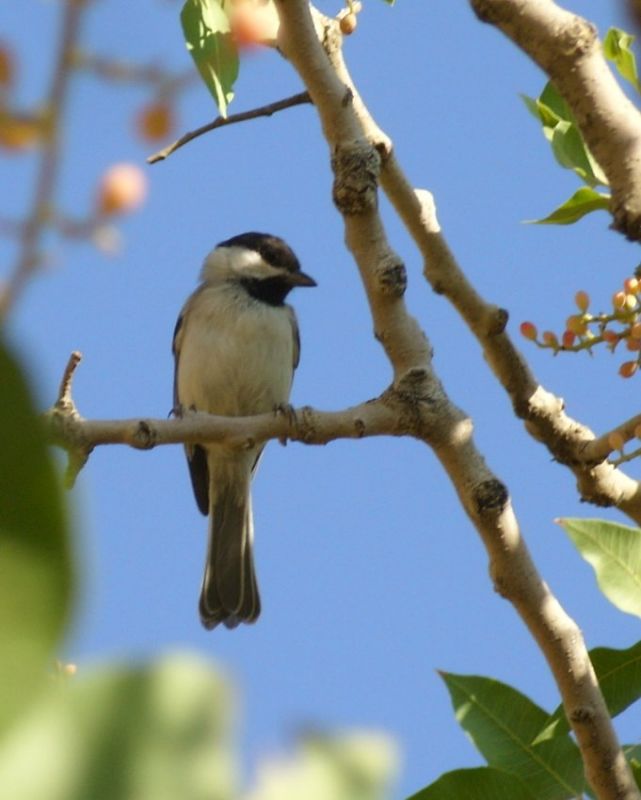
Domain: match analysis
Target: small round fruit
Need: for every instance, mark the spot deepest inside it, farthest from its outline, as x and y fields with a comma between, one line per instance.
x=528, y=329
x=253, y=22
x=155, y=121
x=577, y=325
x=628, y=368
x=348, y=23
x=582, y=300
x=122, y=189
x=619, y=300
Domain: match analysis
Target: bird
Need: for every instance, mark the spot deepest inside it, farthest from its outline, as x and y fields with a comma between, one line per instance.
x=236, y=345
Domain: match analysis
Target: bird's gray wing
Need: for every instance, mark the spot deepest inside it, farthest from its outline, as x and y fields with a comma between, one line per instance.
x=196, y=455
x=295, y=336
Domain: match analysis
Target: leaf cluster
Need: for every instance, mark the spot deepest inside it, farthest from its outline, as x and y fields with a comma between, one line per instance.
x=564, y=136
x=529, y=751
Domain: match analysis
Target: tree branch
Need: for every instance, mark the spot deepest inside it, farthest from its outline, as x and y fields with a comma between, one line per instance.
x=220, y=122
x=568, y=440
x=567, y=48
x=111, y=69
x=601, y=448
x=356, y=163
x=29, y=257
x=78, y=436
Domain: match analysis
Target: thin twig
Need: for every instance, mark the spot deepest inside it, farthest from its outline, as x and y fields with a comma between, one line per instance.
x=65, y=400
x=119, y=71
x=219, y=122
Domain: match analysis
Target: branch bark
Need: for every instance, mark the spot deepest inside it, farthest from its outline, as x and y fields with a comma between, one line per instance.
x=568, y=440
x=567, y=48
x=221, y=122
x=357, y=162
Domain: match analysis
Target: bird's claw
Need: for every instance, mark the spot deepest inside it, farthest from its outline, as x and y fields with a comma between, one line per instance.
x=289, y=412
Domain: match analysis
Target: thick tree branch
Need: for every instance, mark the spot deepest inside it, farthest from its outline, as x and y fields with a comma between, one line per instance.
x=567, y=48
x=372, y=418
x=568, y=440
x=220, y=122
x=78, y=436
x=356, y=164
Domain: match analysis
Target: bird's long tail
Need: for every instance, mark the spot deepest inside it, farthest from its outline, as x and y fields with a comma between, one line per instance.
x=229, y=592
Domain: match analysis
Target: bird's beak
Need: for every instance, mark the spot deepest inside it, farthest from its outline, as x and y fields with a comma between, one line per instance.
x=300, y=279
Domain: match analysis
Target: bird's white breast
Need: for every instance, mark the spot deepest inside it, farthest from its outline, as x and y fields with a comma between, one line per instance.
x=236, y=353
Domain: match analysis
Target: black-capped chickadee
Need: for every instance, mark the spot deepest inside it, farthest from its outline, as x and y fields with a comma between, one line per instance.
x=236, y=346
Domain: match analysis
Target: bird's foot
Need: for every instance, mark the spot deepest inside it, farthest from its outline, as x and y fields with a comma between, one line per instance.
x=289, y=412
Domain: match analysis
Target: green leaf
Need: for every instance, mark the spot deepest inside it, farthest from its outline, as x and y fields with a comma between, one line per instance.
x=564, y=136
x=147, y=733
x=584, y=201
x=619, y=676
x=481, y=783
x=632, y=753
x=356, y=766
x=614, y=551
x=208, y=39
x=555, y=102
x=35, y=561
x=503, y=723
x=572, y=153
x=617, y=48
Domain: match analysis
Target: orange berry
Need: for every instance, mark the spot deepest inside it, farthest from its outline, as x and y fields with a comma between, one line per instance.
x=577, y=324
x=7, y=69
x=253, y=22
x=582, y=300
x=611, y=338
x=628, y=368
x=550, y=339
x=348, y=24
x=19, y=134
x=568, y=339
x=528, y=329
x=616, y=440
x=634, y=345
x=635, y=330
x=155, y=121
x=618, y=300
x=122, y=189
x=632, y=285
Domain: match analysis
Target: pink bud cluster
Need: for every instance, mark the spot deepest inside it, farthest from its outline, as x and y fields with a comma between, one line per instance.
x=585, y=330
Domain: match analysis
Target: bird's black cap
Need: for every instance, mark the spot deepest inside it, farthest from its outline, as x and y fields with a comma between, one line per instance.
x=272, y=249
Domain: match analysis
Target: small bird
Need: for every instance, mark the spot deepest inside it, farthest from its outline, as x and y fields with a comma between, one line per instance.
x=236, y=346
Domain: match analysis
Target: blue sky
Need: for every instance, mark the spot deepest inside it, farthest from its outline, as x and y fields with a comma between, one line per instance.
x=371, y=576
